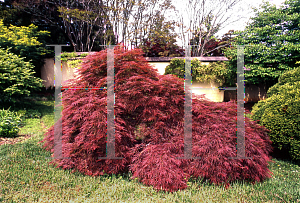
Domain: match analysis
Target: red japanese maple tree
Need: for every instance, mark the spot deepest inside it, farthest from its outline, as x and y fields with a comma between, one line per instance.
x=149, y=123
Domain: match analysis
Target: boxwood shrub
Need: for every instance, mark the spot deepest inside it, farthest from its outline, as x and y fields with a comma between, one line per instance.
x=280, y=113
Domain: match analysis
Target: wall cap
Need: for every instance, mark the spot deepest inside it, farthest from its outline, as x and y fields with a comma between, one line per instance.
x=203, y=59
x=168, y=59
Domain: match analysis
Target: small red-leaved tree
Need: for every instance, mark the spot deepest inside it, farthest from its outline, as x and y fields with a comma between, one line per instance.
x=149, y=123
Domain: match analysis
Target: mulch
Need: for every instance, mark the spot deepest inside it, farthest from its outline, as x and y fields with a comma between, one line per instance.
x=12, y=141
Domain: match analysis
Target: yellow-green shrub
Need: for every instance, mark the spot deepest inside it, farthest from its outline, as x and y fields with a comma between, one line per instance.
x=16, y=77
x=214, y=71
x=280, y=113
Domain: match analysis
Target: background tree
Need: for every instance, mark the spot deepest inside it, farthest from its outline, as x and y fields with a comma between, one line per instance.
x=274, y=38
x=213, y=47
x=84, y=25
x=83, y=22
x=147, y=17
x=11, y=16
x=90, y=22
x=205, y=19
x=161, y=39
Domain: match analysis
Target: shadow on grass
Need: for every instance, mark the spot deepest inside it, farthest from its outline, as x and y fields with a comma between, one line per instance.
x=283, y=155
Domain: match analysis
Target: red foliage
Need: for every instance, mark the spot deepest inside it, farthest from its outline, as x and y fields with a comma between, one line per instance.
x=149, y=112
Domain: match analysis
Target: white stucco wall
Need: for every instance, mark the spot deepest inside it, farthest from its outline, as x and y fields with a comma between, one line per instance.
x=47, y=74
x=211, y=93
x=209, y=89
x=160, y=66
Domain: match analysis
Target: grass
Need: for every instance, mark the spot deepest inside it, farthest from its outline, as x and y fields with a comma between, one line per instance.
x=26, y=177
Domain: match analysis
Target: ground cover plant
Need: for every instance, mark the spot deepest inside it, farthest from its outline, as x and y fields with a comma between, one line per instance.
x=9, y=123
x=25, y=176
x=149, y=110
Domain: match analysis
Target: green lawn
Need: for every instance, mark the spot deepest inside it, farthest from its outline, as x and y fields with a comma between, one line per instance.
x=26, y=177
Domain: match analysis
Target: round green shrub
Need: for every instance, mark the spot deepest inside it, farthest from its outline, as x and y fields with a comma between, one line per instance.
x=9, y=123
x=280, y=113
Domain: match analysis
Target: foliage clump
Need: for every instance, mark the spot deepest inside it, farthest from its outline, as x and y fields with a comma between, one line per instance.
x=16, y=77
x=280, y=113
x=213, y=72
x=9, y=123
x=271, y=44
x=27, y=42
x=149, y=128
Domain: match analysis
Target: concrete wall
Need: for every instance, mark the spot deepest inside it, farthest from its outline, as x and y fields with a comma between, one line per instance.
x=47, y=72
x=160, y=66
x=253, y=93
x=209, y=90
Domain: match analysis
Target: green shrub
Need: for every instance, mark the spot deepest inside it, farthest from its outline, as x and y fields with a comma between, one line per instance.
x=280, y=113
x=30, y=113
x=290, y=77
x=25, y=41
x=16, y=77
x=176, y=67
x=67, y=55
x=214, y=71
x=83, y=55
x=9, y=123
x=74, y=63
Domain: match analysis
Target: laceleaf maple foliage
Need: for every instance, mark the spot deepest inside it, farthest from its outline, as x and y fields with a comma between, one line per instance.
x=149, y=124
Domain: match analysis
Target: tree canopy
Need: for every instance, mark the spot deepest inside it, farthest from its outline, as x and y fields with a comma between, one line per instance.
x=271, y=42
x=161, y=39
x=24, y=41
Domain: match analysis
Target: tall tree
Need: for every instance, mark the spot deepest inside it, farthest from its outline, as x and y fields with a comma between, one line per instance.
x=147, y=16
x=161, y=39
x=204, y=20
x=272, y=42
x=214, y=46
x=83, y=21
x=108, y=21
x=11, y=16
x=14, y=16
